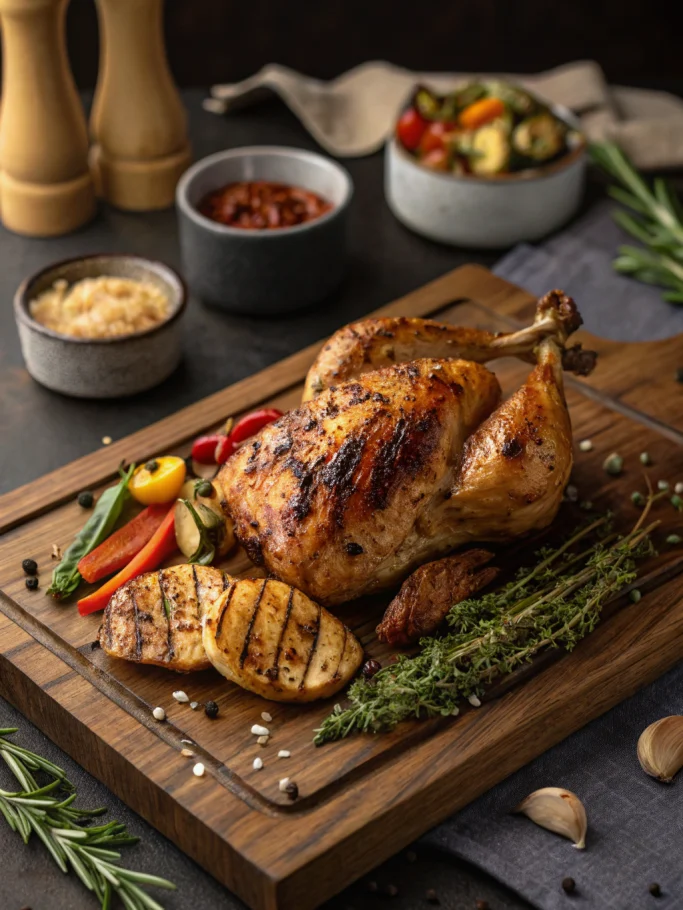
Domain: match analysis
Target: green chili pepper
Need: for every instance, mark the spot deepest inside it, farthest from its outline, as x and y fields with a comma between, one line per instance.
x=66, y=577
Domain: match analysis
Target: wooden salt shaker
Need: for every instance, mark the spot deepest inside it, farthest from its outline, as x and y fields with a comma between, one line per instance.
x=138, y=121
x=45, y=185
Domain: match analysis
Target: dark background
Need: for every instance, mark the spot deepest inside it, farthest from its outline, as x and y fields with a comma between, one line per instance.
x=637, y=42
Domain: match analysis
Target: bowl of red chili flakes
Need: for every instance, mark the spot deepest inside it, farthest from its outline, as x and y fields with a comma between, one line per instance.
x=263, y=229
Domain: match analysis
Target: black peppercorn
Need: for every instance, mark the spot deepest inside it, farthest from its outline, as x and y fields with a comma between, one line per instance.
x=32, y=583
x=568, y=885
x=30, y=566
x=211, y=709
x=86, y=499
x=655, y=890
x=354, y=549
x=370, y=668
x=292, y=790
x=152, y=466
x=204, y=488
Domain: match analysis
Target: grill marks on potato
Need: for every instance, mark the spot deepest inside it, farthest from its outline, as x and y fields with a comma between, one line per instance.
x=273, y=640
x=156, y=618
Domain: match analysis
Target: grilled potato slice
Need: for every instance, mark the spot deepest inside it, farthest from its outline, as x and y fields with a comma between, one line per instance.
x=271, y=639
x=156, y=618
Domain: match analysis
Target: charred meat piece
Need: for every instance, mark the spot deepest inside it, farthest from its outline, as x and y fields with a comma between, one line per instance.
x=157, y=617
x=421, y=605
x=271, y=639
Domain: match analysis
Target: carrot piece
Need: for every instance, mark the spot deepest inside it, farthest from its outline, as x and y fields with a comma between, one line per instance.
x=155, y=551
x=117, y=550
x=480, y=112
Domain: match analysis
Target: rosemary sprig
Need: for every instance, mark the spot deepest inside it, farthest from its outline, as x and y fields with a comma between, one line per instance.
x=657, y=223
x=555, y=603
x=48, y=811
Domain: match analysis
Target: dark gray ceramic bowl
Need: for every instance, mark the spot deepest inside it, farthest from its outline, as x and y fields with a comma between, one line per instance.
x=270, y=271
x=101, y=367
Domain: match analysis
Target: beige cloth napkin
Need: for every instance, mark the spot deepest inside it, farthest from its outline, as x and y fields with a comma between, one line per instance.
x=352, y=115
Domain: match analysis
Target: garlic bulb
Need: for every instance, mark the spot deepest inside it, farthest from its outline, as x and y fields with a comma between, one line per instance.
x=557, y=810
x=660, y=748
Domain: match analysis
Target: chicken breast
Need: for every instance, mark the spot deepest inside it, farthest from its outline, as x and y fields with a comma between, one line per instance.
x=157, y=618
x=271, y=639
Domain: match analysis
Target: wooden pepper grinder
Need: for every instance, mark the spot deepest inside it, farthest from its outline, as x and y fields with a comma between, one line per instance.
x=138, y=121
x=45, y=185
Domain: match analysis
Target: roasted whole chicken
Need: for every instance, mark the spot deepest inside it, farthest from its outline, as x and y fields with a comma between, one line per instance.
x=402, y=452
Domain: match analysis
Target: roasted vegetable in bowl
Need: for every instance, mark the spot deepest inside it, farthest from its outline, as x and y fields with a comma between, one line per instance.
x=483, y=128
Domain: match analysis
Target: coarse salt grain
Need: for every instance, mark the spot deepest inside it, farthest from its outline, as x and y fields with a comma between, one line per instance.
x=194, y=705
x=474, y=701
x=258, y=730
x=159, y=714
x=263, y=740
x=283, y=784
x=188, y=741
x=258, y=764
x=266, y=716
x=198, y=770
x=284, y=753
x=106, y=440
x=186, y=752
x=181, y=697
x=678, y=488
x=585, y=445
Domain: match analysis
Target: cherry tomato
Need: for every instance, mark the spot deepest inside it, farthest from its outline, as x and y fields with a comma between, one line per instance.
x=410, y=127
x=435, y=136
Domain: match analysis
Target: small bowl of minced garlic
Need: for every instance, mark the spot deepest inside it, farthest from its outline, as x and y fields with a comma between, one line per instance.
x=102, y=326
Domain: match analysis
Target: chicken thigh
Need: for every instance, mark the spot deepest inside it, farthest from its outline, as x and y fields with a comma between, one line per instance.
x=350, y=492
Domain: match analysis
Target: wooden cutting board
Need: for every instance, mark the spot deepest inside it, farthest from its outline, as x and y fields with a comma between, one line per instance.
x=363, y=799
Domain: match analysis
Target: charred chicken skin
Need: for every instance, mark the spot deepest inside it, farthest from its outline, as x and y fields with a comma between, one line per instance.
x=400, y=464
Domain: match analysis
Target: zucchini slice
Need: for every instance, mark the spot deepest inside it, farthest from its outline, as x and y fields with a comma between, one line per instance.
x=540, y=138
x=490, y=151
x=201, y=529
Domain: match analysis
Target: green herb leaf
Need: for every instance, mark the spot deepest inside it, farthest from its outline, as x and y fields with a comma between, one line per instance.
x=555, y=603
x=66, y=577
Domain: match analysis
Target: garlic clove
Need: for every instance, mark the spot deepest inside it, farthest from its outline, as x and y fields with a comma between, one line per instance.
x=557, y=810
x=660, y=748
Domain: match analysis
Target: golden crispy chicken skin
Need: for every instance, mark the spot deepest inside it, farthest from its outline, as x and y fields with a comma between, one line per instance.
x=328, y=496
x=428, y=594
x=157, y=617
x=350, y=492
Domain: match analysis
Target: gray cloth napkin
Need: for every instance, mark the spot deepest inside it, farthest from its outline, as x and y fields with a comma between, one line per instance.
x=579, y=260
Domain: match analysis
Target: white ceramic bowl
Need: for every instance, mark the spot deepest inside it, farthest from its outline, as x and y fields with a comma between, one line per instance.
x=485, y=212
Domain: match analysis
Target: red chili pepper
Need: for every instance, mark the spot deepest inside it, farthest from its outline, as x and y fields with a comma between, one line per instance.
x=118, y=550
x=248, y=426
x=204, y=448
x=156, y=550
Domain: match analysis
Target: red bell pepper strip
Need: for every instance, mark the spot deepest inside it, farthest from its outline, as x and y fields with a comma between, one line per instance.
x=117, y=550
x=204, y=448
x=245, y=428
x=156, y=550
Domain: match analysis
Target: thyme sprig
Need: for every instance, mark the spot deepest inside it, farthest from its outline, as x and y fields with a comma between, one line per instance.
x=552, y=604
x=49, y=812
